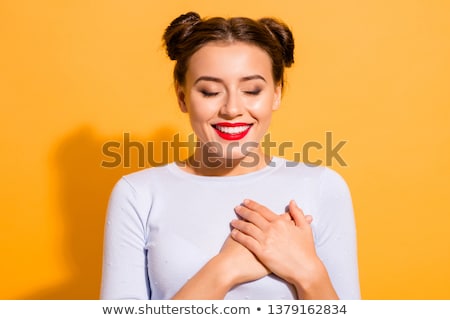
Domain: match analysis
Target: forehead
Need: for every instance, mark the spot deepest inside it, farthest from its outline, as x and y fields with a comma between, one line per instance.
x=229, y=60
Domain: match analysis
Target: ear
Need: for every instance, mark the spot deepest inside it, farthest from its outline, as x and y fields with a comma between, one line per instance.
x=277, y=98
x=181, y=98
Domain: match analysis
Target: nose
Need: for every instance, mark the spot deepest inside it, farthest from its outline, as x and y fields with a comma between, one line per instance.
x=232, y=107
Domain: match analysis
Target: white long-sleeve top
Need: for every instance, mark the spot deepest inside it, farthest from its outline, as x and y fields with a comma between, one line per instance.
x=163, y=224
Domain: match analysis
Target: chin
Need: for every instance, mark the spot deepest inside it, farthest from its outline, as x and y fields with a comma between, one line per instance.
x=249, y=156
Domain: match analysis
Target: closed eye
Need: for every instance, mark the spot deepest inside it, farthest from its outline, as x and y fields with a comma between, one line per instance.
x=253, y=92
x=209, y=93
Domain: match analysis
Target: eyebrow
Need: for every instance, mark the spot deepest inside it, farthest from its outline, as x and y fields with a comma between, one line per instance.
x=214, y=79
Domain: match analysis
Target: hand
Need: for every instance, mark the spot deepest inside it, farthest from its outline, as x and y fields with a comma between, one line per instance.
x=284, y=246
x=243, y=265
x=233, y=265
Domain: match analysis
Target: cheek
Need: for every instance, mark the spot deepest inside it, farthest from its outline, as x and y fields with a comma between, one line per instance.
x=262, y=109
x=201, y=110
x=197, y=119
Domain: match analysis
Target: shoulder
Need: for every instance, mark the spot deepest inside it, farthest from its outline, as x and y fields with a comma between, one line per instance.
x=138, y=186
x=145, y=174
x=144, y=178
x=319, y=173
x=132, y=195
x=324, y=180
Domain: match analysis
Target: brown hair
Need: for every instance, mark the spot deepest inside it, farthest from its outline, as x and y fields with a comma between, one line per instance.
x=188, y=33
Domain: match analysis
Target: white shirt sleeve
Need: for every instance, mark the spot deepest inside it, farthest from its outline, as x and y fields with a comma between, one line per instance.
x=336, y=235
x=124, y=260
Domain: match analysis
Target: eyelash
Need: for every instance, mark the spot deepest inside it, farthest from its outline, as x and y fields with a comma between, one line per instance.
x=209, y=94
x=253, y=93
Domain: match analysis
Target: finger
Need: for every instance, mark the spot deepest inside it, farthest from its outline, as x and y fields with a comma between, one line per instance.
x=251, y=216
x=262, y=210
x=309, y=219
x=297, y=214
x=287, y=216
x=245, y=240
x=248, y=228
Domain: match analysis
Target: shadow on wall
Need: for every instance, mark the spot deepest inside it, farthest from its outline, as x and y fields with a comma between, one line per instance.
x=84, y=186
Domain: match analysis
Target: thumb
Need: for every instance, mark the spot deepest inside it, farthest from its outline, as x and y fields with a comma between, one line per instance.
x=297, y=214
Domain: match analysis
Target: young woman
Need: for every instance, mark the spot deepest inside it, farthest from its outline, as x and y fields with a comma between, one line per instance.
x=226, y=223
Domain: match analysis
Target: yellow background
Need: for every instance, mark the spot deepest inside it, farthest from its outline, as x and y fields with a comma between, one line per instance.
x=77, y=74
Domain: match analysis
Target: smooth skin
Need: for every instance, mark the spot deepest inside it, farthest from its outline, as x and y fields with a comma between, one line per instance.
x=229, y=83
x=233, y=82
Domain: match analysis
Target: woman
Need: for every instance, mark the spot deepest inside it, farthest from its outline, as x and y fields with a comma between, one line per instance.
x=225, y=223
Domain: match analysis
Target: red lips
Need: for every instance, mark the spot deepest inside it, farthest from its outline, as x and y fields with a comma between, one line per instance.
x=232, y=131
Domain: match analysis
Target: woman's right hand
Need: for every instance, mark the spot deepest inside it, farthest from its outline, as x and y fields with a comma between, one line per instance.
x=241, y=263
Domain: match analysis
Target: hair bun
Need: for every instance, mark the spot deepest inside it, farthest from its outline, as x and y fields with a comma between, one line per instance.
x=178, y=30
x=283, y=34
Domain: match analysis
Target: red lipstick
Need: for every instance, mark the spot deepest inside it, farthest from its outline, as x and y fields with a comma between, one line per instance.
x=232, y=131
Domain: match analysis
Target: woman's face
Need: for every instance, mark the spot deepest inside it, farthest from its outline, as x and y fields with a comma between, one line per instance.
x=230, y=94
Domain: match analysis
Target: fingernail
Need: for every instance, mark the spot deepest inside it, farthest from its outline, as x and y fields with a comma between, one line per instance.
x=246, y=201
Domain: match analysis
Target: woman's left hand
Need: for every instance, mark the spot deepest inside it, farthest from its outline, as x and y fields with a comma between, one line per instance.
x=283, y=243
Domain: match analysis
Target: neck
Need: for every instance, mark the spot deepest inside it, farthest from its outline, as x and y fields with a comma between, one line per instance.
x=206, y=164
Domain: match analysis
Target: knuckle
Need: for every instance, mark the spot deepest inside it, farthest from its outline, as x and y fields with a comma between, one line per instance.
x=245, y=228
x=279, y=223
x=254, y=205
x=251, y=215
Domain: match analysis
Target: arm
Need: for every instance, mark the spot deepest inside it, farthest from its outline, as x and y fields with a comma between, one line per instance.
x=336, y=235
x=124, y=273
x=333, y=267
x=222, y=273
x=313, y=283
x=124, y=263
